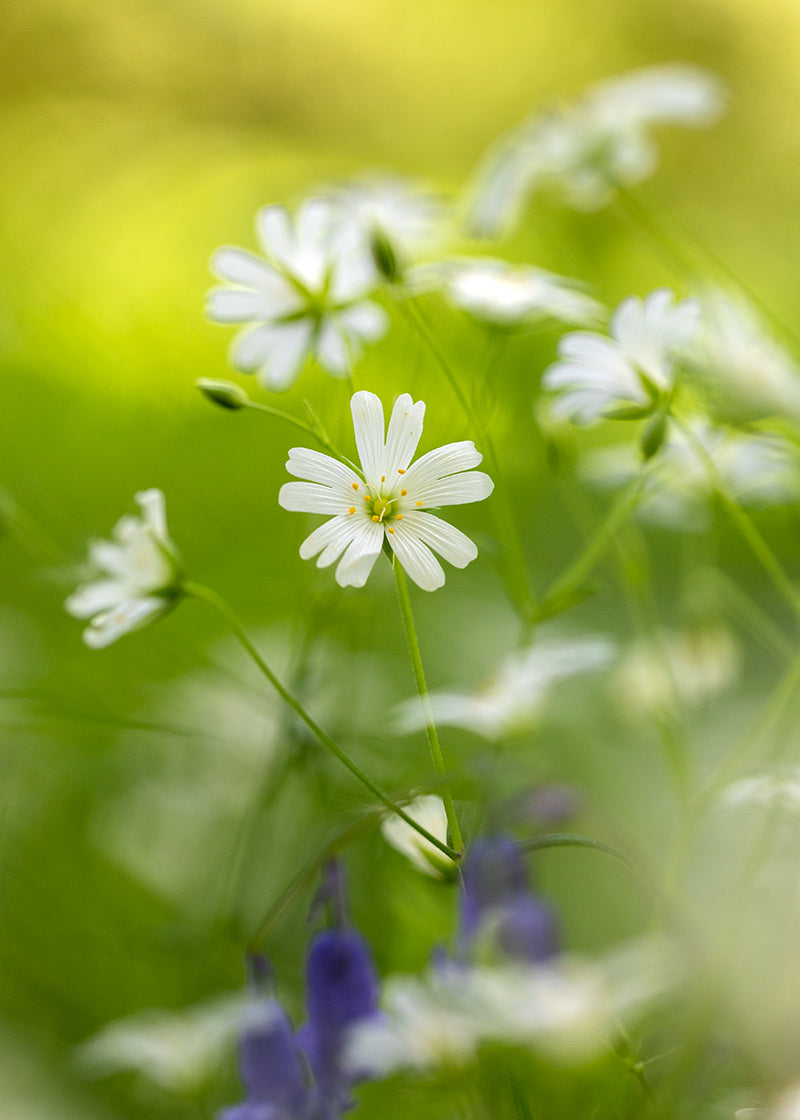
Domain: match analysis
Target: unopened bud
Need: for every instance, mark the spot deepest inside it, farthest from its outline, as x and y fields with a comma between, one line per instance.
x=224, y=393
x=384, y=255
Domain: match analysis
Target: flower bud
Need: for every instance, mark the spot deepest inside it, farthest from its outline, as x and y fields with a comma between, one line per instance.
x=223, y=393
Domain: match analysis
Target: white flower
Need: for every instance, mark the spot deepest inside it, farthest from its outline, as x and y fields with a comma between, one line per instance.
x=758, y=470
x=138, y=576
x=597, y=375
x=687, y=666
x=567, y=1010
x=397, y=218
x=176, y=1050
x=770, y=791
x=390, y=502
x=428, y=811
x=509, y=295
x=514, y=698
x=750, y=374
x=585, y=149
x=305, y=299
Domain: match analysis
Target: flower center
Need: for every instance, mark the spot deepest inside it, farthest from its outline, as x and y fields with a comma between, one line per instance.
x=382, y=509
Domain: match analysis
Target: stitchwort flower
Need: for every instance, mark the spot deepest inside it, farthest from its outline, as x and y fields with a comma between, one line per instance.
x=389, y=502
x=307, y=299
x=508, y=295
x=626, y=375
x=137, y=575
x=429, y=811
x=586, y=149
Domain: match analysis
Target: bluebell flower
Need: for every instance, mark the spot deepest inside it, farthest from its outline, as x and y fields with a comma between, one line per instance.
x=497, y=901
x=341, y=990
x=271, y=1068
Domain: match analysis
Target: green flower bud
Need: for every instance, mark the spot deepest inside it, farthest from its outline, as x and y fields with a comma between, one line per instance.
x=223, y=393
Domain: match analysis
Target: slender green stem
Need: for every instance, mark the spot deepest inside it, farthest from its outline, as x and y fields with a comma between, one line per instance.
x=25, y=530
x=560, y=594
x=750, y=614
x=213, y=599
x=314, y=429
x=743, y=521
x=517, y=577
x=422, y=688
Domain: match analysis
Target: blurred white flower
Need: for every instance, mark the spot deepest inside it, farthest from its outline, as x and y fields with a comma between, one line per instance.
x=137, y=578
x=748, y=372
x=389, y=503
x=512, y=701
x=306, y=299
x=427, y=810
x=177, y=1050
x=771, y=791
x=682, y=667
x=568, y=1010
x=758, y=470
x=508, y=295
x=397, y=219
x=597, y=376
x=585, y=149
x=786, y=1106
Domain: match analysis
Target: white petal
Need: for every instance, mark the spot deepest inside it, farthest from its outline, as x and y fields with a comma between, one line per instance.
x=368, y=428
x=94, y=597
x=288, y=354
x=314, y=222
x=331, y=349
x=276, y=234
x=361, y=554
x=316, y=467
x=127, y=616
x=154, y=511
x=366, y=320
x=417, y=559
x=405, y=429
x=329, y=540
x=250, y=271
x=454, y=490
x=449, y=542
x=251, y=349
x=442, y=461
x=310, y=497
x=235, y=305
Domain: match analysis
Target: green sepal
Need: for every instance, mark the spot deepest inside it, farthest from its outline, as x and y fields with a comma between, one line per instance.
x=653, y=435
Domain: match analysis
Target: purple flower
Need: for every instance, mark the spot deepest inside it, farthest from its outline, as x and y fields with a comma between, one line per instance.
x=271, y=1069
x=497, y=899
x=341, y=990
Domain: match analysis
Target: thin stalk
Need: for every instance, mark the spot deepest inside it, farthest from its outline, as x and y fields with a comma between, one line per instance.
x=744, y=522
x=207, y=595
x=580, y=570
x=750, y=614
x=25, y=530
x=314, y=429
x=506, y=525
x=422, y=688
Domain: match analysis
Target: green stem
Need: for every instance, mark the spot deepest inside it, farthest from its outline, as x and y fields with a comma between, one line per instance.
x=314, y=429
x=518, y=582
x=422, y=688
x=25, y=530
x=579, y=571
x=743, y=521
x=213, y=599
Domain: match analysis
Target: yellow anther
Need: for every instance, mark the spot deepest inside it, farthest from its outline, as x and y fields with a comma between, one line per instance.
x=391, y=530
x=383, y=478
x=352, y=509
x=419, y=503
x=401, y=470
x=355, y=486
x=375, y=517
x=403, y=493
x=367, y=498
x=399, y=517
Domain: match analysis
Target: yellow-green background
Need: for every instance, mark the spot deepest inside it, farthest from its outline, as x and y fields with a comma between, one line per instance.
x=136, y=137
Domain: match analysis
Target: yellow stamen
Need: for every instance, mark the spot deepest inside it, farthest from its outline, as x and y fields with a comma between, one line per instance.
x=355, y=486
x=401, y=470
x=399, y=517
x=391, y=530
x=403, y=493
x=419, y=503
x=352, y=509
x=375, y=517
x=383, y=478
